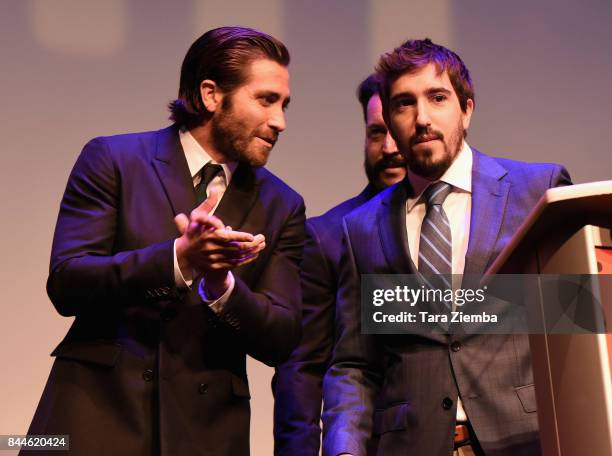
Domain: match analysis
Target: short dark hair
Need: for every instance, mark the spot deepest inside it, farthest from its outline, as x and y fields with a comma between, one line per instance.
x=221, y=55
x=415, y=54
x=366, y=90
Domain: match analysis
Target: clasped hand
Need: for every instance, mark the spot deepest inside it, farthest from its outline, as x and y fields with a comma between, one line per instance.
x=212, y=249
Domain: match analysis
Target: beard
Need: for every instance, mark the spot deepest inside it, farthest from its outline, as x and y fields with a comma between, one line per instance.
x=374, y=170
x=424, y=163
x=232, y=137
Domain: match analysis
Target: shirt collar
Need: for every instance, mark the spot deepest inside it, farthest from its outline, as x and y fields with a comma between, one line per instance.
x=458, y=174
x=197, y=157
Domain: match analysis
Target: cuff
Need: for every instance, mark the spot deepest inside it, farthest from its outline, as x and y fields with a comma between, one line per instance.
x=217, y=305
x=180, y=280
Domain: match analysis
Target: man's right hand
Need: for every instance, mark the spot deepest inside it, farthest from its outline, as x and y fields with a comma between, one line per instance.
x=209, y=247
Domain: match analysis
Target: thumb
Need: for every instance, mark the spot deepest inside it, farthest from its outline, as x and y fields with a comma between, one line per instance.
x=182, y=222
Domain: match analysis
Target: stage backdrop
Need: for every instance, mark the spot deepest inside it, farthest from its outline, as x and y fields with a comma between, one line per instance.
x=74, y=69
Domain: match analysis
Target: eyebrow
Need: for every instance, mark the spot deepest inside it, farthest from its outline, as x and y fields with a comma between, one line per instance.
x=429, y=91
x=434, y=90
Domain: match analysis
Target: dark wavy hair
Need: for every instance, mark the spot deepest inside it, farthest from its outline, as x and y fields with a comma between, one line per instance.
x=221, y=55
x=366, y=90
x=415, y=54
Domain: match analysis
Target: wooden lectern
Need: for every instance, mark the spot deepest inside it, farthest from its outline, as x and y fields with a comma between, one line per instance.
x=568, y=232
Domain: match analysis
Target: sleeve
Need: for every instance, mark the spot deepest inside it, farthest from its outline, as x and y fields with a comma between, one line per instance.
x=216, y=305
x=86, y=273
x=559, y=177
x=298, y=382
x=267, y=317
x=354, y=377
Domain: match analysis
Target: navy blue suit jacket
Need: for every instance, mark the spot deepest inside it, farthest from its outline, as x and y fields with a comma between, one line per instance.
x=403, y=389
x=146, y=368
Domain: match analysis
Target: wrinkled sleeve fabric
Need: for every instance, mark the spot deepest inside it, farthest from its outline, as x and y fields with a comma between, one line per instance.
x=86, y=271
x=267, y=317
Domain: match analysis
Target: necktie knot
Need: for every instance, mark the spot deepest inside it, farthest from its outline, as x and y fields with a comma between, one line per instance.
x=436, y=193
x=207, y=174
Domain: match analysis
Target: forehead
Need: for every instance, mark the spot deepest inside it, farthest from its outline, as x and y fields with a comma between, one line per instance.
x=374, y=109
x=267, y=75
x=423, y=79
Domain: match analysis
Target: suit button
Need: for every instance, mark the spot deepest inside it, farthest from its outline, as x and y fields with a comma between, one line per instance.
x=168, y=314
x=147, y=375
x=455, y=346
x=447, y=403
x=203, y=388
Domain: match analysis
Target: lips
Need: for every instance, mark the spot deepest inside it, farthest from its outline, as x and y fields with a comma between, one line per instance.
x=270, y=141
x=425, y=138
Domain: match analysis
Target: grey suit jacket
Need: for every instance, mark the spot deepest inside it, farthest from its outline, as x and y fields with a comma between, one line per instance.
x=420, y=378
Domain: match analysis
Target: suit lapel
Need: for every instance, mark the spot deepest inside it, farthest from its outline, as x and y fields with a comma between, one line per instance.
x=171, y=167
x=489, y=198
x=239, y=198
x=392, y=228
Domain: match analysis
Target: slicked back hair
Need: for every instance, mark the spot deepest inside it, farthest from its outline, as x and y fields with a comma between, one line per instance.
x=223, y=56
x=414, y=55
x=366, y=90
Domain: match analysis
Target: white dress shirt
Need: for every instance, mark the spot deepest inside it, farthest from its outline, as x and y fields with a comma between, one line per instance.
x=458, y=209
x=196, y=158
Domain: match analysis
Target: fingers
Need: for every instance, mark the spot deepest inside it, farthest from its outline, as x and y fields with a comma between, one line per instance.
x=234, y=236
x=182, y=222
x=205, y=220
x=258, y=240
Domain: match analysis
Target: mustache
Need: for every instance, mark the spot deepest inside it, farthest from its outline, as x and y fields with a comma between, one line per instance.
x=426, y=134
x=395, y=160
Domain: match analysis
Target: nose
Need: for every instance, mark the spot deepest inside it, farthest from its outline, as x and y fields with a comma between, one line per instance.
x=389, y=146
x=277, y=120
x=422, y=115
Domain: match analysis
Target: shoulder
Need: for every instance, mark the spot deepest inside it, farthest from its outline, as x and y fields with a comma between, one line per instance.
x=365, y=214
x=124, y=146
x=275, y=191
x=329, y=224
x=539, y=174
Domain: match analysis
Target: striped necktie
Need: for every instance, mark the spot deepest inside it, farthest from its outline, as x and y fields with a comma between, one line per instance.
x=435, y=245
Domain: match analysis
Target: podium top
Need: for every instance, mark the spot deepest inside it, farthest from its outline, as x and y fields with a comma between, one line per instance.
x=559, y=213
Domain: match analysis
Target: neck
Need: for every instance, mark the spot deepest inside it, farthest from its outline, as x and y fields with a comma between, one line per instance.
x=203, y=135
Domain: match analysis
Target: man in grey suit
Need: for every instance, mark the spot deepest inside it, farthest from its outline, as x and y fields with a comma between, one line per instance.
x=298, y=382
x=453, y=214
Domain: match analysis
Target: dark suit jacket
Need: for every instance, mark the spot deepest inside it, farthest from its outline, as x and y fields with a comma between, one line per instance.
x=146, y=368
x=298, y=382
x=420, y=378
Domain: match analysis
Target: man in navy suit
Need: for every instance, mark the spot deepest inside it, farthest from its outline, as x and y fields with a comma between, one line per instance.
x=298, y=382
x=453, y=214
x=168, y=305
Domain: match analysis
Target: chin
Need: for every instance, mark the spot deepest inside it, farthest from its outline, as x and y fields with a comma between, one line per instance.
x=255, y=158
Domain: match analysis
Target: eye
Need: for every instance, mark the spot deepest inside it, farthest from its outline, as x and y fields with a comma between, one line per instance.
x=268, y=99
x=439, y=97
x=402, y=102
x=376, y=133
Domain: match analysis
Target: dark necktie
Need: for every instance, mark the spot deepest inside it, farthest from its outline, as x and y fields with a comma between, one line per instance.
x=207, y=174
x=435, y=245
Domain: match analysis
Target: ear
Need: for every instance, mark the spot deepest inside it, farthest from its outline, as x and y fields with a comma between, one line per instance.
x=211, y=95
x=467, y=115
